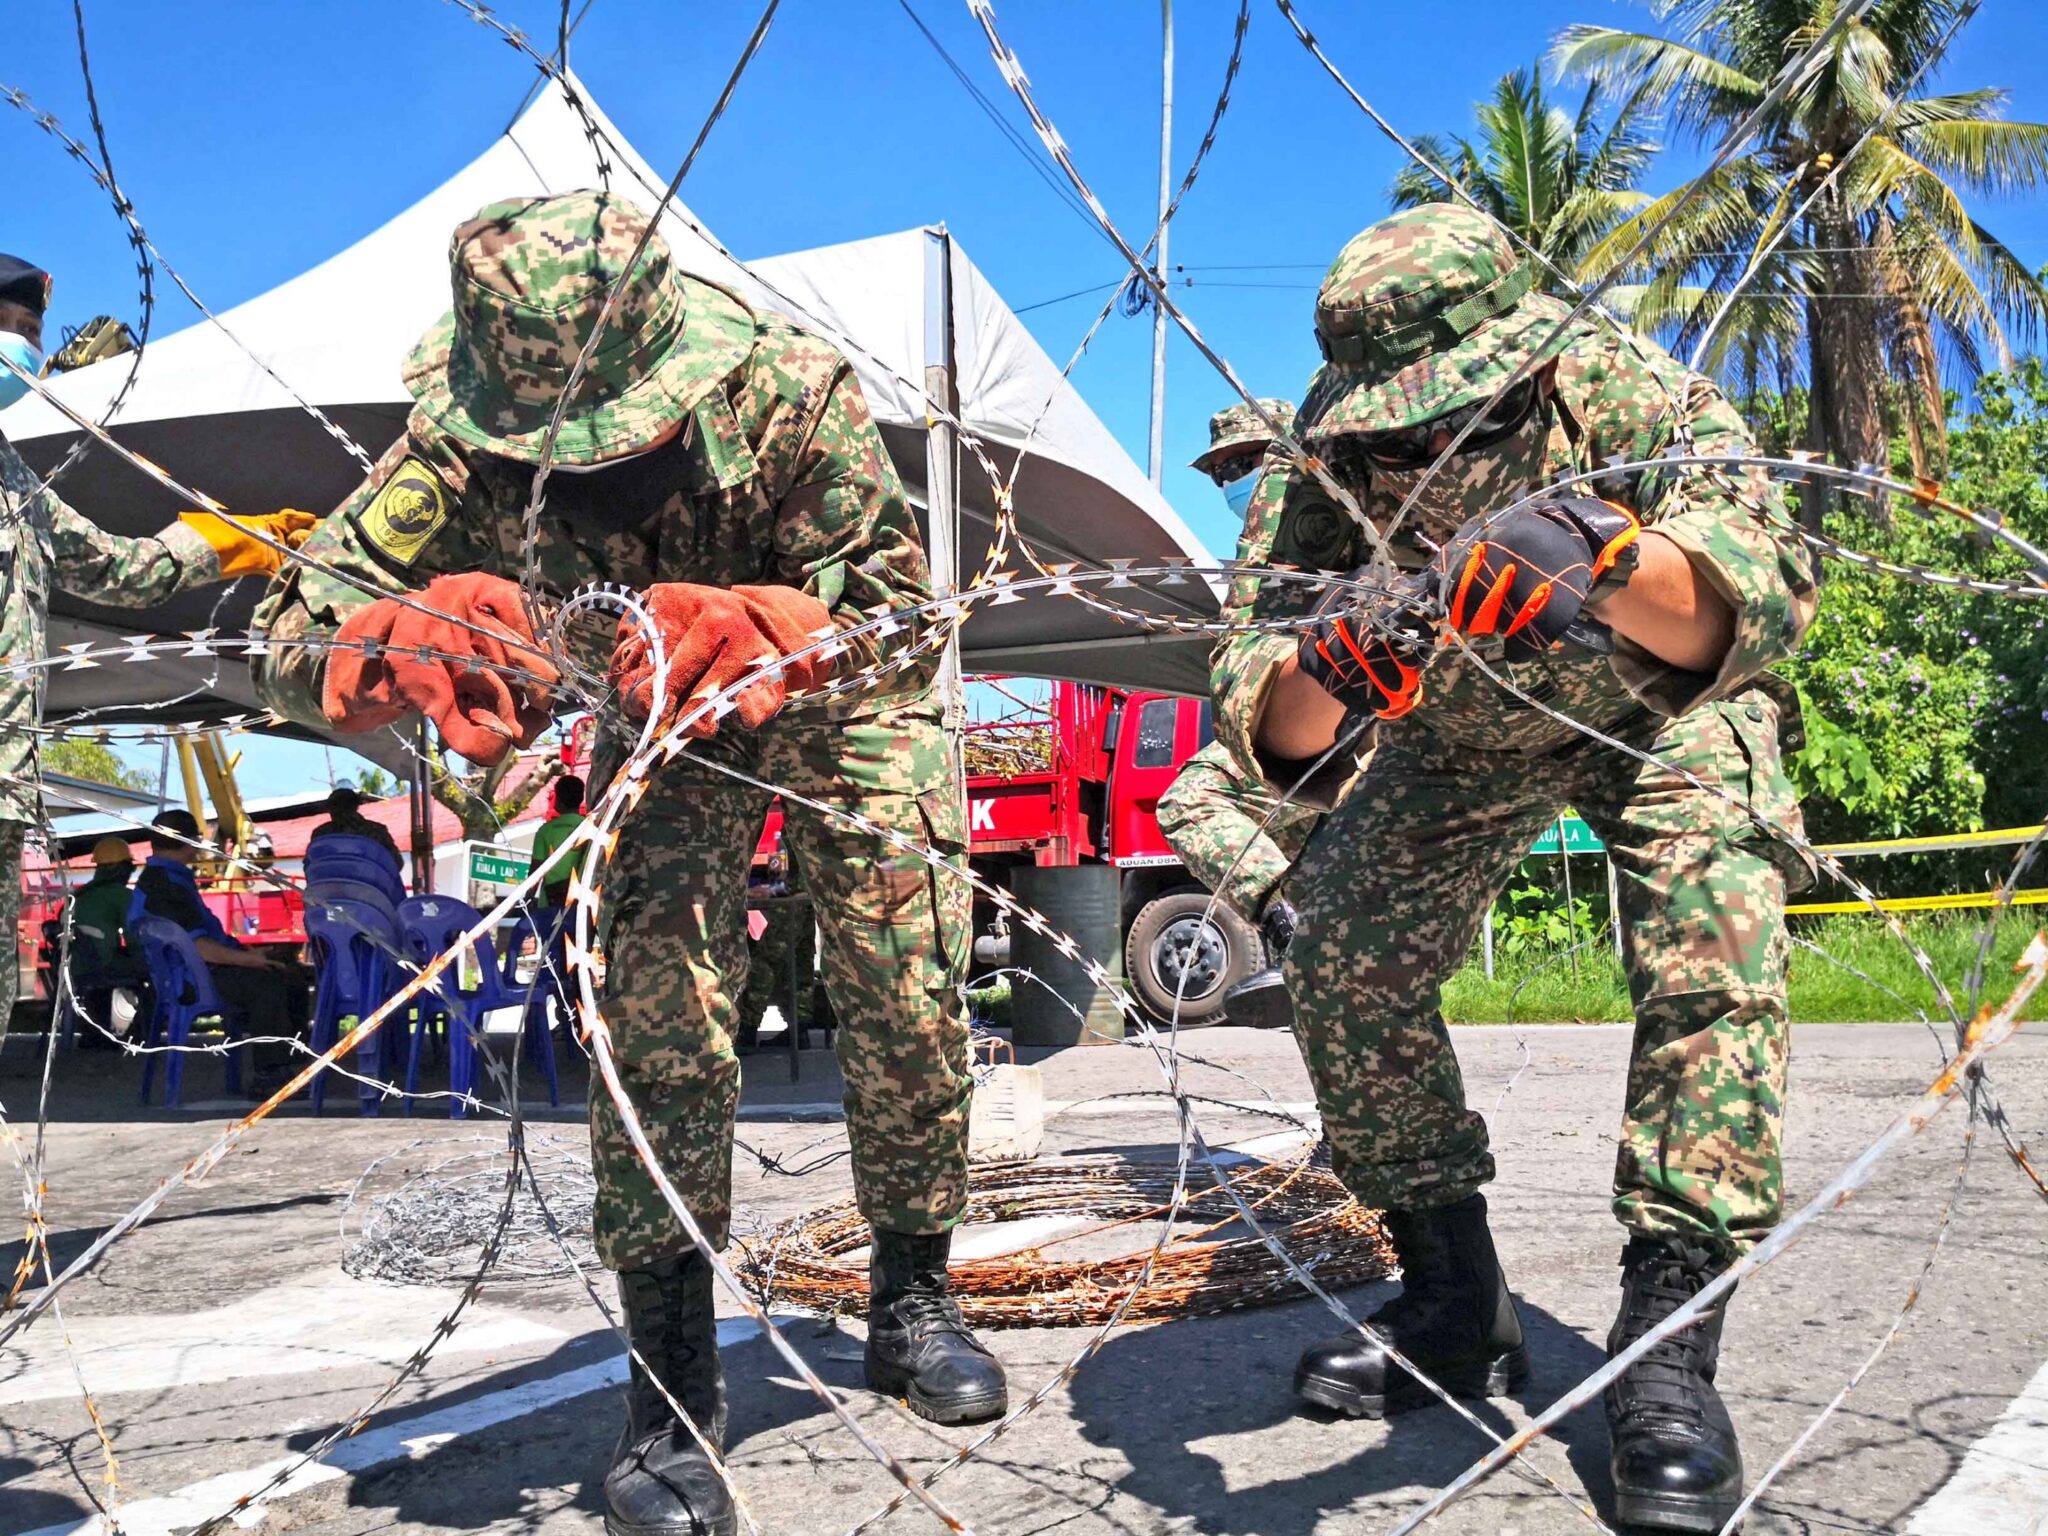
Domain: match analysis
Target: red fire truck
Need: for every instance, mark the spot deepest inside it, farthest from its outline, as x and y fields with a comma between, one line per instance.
x=1075, y=778
x=1089, y=793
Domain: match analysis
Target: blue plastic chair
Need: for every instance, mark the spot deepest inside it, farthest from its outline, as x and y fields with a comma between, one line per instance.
x=430, y=926
x=353, y=939
x=551, y=927
x=360, y=859
x=184, y=995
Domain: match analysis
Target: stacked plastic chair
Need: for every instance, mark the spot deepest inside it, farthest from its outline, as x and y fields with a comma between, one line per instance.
x=430, y=925
x=184, y=995
x=353, y=890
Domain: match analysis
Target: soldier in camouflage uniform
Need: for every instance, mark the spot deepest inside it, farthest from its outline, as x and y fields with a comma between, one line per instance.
x=1698, y=582
x=1217, y=815
x=46, y=546
x=723, y=464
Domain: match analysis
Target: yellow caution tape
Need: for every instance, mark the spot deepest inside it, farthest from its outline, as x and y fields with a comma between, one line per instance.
x=1996, y=837
x=1955, y=901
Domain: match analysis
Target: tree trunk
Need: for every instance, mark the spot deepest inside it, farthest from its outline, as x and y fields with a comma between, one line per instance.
x=1816, y=495
x=1847, y=345
x=474, y=799
x=473, y=809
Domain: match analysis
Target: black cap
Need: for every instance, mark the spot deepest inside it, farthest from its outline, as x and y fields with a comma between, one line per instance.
x=178, y=828
x=24, y=283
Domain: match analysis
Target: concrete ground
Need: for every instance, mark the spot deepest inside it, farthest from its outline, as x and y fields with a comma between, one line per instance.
x=224, y=1335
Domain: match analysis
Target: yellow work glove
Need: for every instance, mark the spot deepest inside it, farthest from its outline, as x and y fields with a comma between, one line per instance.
x=235, y=541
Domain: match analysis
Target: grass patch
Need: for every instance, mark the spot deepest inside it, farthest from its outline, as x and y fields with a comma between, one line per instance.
x=1542, y=988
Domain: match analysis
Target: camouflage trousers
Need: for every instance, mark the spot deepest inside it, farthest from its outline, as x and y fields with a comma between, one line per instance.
x=1216, y=818
x=1392, y=889
x=673, y=927
x=12, y=834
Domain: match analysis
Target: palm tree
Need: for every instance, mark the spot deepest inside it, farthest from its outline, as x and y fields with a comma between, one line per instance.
x=1557, y=179
x=1884, y=274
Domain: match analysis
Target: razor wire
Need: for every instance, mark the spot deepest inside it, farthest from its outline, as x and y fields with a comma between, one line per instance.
x=950, y=612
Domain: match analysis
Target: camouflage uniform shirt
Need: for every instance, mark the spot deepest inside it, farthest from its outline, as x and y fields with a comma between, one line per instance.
x=781, y=478
x=1611, y=405
x=47, y=546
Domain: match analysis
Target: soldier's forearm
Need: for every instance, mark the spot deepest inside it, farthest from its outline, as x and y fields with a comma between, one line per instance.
x=1300, y=720
x=1669, y=609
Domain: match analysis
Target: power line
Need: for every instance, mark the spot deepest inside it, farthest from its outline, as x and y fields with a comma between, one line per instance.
x=1009, y=130
x=534, y=89
x=1787, y=250
x=1115, y=282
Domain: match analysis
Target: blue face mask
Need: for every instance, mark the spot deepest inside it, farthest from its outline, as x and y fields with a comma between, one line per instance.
x=1238, y=492
x=24, y=354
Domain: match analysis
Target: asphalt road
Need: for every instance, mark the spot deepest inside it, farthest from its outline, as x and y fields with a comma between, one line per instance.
x=224, y=1336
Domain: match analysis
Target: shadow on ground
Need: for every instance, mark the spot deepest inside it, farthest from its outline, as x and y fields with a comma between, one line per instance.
x=1169, y=1399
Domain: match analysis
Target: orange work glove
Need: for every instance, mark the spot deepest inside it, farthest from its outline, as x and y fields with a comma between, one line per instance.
x=480, y=708
x=1527, y=575
x=1368, y=653
x=712, y=636
x=234, y=542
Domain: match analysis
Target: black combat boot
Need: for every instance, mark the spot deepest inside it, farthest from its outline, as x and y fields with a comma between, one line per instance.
x=1260, y=1001
x=1454, y=1318
x=661, y=1483
x=1677, y=1466
x=918, y=1347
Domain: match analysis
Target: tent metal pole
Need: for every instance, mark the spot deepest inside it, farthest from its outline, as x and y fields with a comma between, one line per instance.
x=421, y=806
x=942, y=467
x=1155, y=459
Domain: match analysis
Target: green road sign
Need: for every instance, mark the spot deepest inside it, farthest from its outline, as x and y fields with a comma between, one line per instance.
x=504, y=866
x=1578, y=838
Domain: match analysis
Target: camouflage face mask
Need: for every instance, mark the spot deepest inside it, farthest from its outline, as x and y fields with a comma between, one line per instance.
x=619, y=494
x=1469, y=484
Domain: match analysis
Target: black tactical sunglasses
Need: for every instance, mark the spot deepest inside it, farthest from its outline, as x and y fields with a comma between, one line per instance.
x=1408, y=447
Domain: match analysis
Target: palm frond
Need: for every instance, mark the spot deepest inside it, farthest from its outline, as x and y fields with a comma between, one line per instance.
x=1618, y=157
x=1696, y=89
x=1993, y=157
x=1414, y=185
x=1941, y=282
x=1913, y=30
x=1957, y=106
x=1713, y=212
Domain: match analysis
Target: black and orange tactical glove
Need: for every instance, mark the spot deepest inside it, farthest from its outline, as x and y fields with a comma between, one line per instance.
x=1526, y=576
x=1368, y=653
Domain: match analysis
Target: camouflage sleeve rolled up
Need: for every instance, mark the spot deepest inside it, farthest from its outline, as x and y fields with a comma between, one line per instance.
x=47, y=546
x=844, y=532
x=105, y=568
x=1292, y=524
x=1731, y=522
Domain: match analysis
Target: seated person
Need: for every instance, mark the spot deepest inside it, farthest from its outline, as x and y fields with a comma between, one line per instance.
x=100, y=958
x=271, y=993
x=345, y=818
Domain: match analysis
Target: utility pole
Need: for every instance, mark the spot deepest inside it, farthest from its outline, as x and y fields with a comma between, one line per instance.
x=1155, y=462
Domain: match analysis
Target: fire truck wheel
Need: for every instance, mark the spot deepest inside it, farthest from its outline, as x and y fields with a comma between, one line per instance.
x=1168, y=939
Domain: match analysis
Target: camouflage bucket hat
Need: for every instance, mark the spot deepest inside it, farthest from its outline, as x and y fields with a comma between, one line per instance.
x=1239, y=427
x=1421, y=314
x=530, y=277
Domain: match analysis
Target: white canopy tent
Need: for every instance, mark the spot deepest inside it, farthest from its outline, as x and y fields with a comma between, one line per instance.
x=906, y=307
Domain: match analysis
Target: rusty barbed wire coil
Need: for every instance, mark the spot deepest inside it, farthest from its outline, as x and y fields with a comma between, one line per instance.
x=803, y=1263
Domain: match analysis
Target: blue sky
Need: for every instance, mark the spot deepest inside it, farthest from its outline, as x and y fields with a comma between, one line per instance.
x=257, y=139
